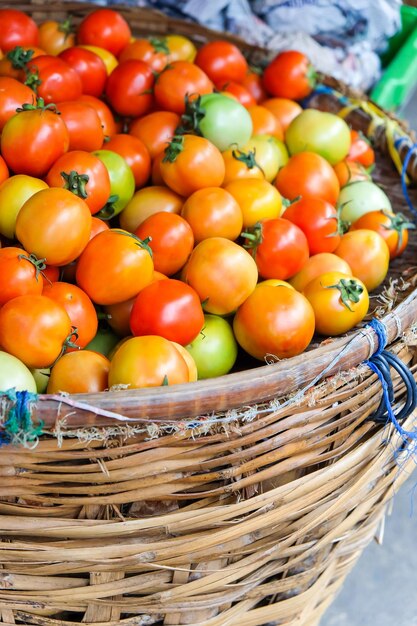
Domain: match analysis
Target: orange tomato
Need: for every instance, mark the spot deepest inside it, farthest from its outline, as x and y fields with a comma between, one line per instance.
x=79, y=372
x=156, y=130
x=316, y=265
x=265, y=122
x=135, y=153
x=241, y=164
x=283, y=109
x=367, y=254
x=213, y=212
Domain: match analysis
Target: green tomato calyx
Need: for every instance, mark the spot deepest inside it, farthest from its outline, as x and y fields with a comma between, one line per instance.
x=248, y=158
x=75, y=183
x=67, y=27
x=254, y=237
x=399, y=223
x=159, y=45
x=174, y=149
x=350, y=291
x=19, y=57
x=38, y=105
x=108, y=211
x=39, y=264
x=191, y=118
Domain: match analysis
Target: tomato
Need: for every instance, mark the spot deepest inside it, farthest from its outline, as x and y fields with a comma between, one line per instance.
x=241, y=164
x=316, y=131
x=222, y=273
x=257, y=199
x=350, y=172
x=156, y=175
x=222, y=61
x=176, y=81
x=182, y=166
x=264, y=122
x=114, y=266
x=12, y=96
x=104, y=342
x=54, y=224
x=156, y=130
x=4, y=170
x=308, y=174
x=240, y=92
x=97, y=226
x=50, y=274
x=339, y=302
x=105, y=28
x=84, y=175
x=270, y=154
x=109, y=60
x=146, y=202
x=13, y=194
x=289, y=75
x=148, y=361
x=15, y=375
x=79, y=372
x=274, y=321
x=283, y=109
x=279, y=247
x=319, y=222
x=58, y=81
x=367, y=254
x=20, y=274
x=214, y=350
x=89, y=67
x=224, y=122
x=360, y=149
x=253, y=83
x=14, y=64
x=171, y=241
x=168, y=308
x=213, y=212
x=83, y=125
x=136, y=155
x=129, y=88
x=33, y=139
x=362, y=197
x=41, y=377
x=122, y=181
x=54, y=37
x=153, y=51
x=106, y=116
x=79, y=307
x=17, y=29
x=316, y=265
x=180, y=48
x=192, y=367
x=118, y=316
x=34, y=329
x=392, y=227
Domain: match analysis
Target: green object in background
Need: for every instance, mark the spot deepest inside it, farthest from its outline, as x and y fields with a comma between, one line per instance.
x=400, y=61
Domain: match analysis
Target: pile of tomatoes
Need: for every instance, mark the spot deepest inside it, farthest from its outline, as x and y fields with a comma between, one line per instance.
x=162, y=207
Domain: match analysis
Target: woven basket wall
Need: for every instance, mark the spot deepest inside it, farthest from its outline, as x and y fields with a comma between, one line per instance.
x=220, y=503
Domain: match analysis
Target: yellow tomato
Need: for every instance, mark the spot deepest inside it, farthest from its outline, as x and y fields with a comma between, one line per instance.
x=258, y=200
x=181, y=48
x=13, y=194
x=107, y=57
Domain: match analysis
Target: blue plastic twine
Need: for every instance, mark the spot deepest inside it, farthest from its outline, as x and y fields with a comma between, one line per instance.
x=323, y=90
x=374, y=363
x=406, y=161
x=18, y=426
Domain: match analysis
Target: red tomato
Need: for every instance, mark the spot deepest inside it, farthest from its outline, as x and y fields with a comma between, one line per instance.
x=360, y=149
x=20, y=274
x=33, y=139
x=84, y=175
x=191, y=163
x=106, y=116
x=280, y=248
x=17, y=29
x=148, y=361
x=54, y=224
x=170, y=309
x=367, y=254
x=89, y=67
x=106, y=29
x=12, y=96
x=253, y=83
x=54, y=37
x=153, y=51
x=350, y=172
x=171, y=241
x=114, y=267
x=97, y=226
x=308, y=174
x=34, y=329
x=156, y=130
x=289, y=75
x=79, y=307
x=129, y=88
x=50, y=274
x=392, y=227
x=176, y=81
x=135, y=153
x=83, y=125
x=4, y=170
x=118, y=316
x=222, y=273
x=319, y=222
x=240, y=92
x=80, y=372
x=58, y=81
x=274, y=321
x=222, y=61
x=283, y=109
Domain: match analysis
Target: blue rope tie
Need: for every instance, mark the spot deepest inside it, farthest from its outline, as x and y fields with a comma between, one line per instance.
x=412, y=150
x=323, y=90
x=18, y=427
x=380, y=363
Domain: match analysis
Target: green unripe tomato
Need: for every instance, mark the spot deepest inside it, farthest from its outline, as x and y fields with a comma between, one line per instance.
x=214, y=350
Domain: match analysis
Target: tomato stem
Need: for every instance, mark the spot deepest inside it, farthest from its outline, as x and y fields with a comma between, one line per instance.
x=248, y=158
x=159, y=45
x=174, y=148
x=32, y=79
x=191, y=118
x=67, y=27
x=399, y=223
x=19, y=57
x=39, y=106
x=75, y=183
x=108, y=211
x=39, y=264
x=253, y=238
x=350, y=291
x=141, y=243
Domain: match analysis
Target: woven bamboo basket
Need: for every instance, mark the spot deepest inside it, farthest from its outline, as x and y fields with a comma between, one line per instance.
x=244, y=499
